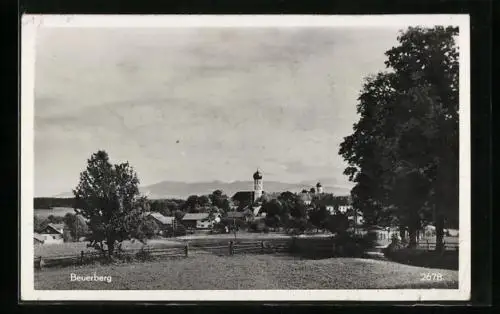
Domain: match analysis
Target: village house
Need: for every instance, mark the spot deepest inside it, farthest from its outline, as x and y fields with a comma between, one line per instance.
x=37, y=239
x=197, y=221
x=51, y=234
x=164, y=223
x=245, y=215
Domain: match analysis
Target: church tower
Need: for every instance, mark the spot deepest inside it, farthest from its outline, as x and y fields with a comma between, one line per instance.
x=257, y=185
x=319, y=188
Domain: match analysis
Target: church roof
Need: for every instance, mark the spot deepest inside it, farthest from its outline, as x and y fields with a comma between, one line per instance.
x=243, y=196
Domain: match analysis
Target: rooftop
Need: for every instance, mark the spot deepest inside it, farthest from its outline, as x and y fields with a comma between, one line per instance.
x=195, y=216
x=166, y=220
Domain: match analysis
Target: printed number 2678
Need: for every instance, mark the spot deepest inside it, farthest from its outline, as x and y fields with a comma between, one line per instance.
x=431, y=277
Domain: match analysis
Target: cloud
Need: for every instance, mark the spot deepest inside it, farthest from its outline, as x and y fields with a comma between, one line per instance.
x=236, y=99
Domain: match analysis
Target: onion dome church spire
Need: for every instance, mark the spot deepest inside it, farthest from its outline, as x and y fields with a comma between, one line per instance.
x=257, y=185
x=319, y=188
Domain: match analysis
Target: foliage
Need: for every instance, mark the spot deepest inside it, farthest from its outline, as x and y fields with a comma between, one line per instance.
x=166, y=207
x=275, y=213
x=76, y=226
x=177, y=230
x=144, y=254
x=55, y=219
x=352, y=245
x=204, y=201
x=191, y=205
x=298, y=226
x=39, y=223
x=337, y=223
x=220, y=200
x=108, y=197
x=403, y=153
x=319, y=216
x=147, y=229
x=293, y=204
x=257, y=226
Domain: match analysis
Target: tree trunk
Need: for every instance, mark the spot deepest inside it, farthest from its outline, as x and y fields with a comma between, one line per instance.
x=402, y=233
x=111, y=248
x=412, y=235
x=439, y=232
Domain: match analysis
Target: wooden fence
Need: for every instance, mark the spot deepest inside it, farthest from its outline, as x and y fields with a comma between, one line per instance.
x=317, y=248
x=229, y=248
x=430, y=246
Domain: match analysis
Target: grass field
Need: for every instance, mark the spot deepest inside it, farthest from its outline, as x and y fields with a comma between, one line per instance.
x=247, y=272
x=70, y=248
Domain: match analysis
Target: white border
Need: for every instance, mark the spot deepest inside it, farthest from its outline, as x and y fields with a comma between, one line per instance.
x=30, y=24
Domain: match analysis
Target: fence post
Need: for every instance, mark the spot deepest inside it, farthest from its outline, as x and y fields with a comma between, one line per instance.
x=428, y=245
x=186, y=249
x=81, y=257
x=261, y=246
x=38, y=263
x=231, y=247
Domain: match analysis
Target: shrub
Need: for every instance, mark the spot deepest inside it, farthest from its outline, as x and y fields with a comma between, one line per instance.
x=219, y=227
x=179, y=230
x=352, y=245
x=257, y=226
x=143, y=255
x=148, y=228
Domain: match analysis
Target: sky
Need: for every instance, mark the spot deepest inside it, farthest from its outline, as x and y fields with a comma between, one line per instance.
x=200, y=104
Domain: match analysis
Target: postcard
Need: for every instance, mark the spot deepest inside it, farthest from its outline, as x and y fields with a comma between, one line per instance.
x=240, y=157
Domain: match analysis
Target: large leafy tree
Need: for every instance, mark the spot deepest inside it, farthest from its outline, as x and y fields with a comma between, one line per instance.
x=108, y=197
x=274, y=212
x=403, y=153
x=220, y=200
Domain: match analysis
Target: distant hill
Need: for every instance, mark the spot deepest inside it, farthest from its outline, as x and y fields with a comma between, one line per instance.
x=173, y=189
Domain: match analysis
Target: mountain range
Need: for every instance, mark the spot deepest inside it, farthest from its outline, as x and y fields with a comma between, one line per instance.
x=175, y=189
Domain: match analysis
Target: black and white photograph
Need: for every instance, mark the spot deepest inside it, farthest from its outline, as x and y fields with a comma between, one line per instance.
x=245, y=158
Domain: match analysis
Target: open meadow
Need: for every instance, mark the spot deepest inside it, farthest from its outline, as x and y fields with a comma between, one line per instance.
x=74, y=248
x=247, y=271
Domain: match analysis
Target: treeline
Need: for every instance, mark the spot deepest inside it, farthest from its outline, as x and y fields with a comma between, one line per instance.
x=51, y=202
x=403, y=153
x=289, y=211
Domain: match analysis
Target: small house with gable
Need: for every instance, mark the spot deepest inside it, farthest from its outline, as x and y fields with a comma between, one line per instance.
x=197, y=221
x=52, y=234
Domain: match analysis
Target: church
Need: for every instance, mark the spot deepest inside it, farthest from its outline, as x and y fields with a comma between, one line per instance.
x=250, y=199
